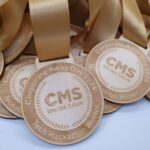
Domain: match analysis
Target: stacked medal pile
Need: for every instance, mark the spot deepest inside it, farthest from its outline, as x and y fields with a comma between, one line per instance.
x=64, y=64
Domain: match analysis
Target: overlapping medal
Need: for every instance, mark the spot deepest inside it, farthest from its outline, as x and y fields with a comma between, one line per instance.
x=121, y=69
x=109, y=107
x=8, y=55
x=65, y=101
x=20, y=42
x=13, y=82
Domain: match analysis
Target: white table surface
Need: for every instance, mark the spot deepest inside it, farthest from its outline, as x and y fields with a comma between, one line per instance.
x=126, y=129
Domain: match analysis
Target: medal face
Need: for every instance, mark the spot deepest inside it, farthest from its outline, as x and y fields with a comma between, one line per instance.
x=13, y=82
x=110, y=107
x=62, y=103
x=20, y=42
x=5, y=113
x=1, y=63
x=121, y=69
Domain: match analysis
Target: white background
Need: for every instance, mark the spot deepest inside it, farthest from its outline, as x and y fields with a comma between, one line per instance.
x=126, y=129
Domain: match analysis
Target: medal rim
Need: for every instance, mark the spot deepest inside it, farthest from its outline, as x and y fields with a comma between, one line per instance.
x=53, y=141
x=25, y=39
x=9, y=115
x=118, y=106
x=80, y=60
x=92, y=56
x=20, y=63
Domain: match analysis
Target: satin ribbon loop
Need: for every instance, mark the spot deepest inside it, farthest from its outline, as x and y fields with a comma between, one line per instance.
x=94, y=8
x=144, y=7
x=133, y=24
x=79, y=12
x=51, y=28
x=106, y=24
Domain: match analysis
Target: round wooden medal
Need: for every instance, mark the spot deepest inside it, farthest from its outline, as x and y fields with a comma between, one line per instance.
x=121, y=69
x=20, y=42
x=5, y=113
x=62, y=103
x=13, y=81
x=110, y=107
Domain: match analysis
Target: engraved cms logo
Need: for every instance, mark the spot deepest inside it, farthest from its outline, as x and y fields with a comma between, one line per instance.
x=118, y=66
x=59, y=98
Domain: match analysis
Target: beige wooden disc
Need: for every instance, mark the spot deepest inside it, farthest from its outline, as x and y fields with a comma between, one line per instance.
x=12, y=84
x=148, y=54
x=121, y=69
x=5, y=113
x=110, y=107
x=20, y=42
x=62, y=103
x=80, y=60
x=1, y=63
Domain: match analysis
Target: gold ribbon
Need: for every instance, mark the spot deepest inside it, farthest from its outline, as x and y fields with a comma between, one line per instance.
x=51, y=27
x=147, y=24
x=94, y=8
x=11, y=14
x=106, y=24
x=79, y=12
x=133, y=24
x=144, y=7
x=2, y=2
x=109, y=19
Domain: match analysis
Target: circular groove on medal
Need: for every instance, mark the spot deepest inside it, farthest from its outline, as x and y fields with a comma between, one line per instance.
x=110, y=107
x=121, y=69
x=5, y=113
x=62, y=103
x=13, y=81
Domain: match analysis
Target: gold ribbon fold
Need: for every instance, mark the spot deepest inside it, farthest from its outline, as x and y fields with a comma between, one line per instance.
x=51, y=27
x=147, y=24
x=106, y=24
x=11, y=14
x=2, y=2
x=133, y=24
x=94, y=8
x=79, y=12
x=144, y=7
